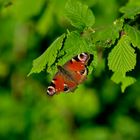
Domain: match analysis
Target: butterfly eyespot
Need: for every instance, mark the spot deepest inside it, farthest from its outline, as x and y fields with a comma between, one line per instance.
x=51, y=90
x=66, y=88
x=83, y=57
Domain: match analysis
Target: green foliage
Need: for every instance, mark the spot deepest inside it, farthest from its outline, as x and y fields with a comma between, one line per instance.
x=76, y=44
x=134, y=35
x=48, y=57
x=125, y=81
x=131, y=9
x=122, y=57
x=121, y=60
x=107, y=36
x=79, y=15
x=97, y=109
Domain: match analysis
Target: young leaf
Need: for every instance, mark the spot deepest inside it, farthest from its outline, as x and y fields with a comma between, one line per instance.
x=48, y=57
x=134, y=35
x=125, y=81
x=122, y=57
x=79, y=15
x=131, y=9
x=117, y=77
x=108, y=34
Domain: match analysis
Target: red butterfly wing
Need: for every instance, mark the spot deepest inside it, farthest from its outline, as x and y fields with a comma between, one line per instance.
x=70, y=75
x=77, y=67
x=60, y=83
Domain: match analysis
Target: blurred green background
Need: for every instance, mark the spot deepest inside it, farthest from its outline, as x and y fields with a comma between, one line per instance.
x=96, y=111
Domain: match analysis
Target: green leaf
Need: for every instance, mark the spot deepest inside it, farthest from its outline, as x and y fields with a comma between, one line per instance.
x=122, y=57
x=79, y=15
x=125, y=81
x=74, y=45
x=121, y=60
x=131, y=9
x=48, y=57
x=117, y=77
x=134, y=35
x=107, y=36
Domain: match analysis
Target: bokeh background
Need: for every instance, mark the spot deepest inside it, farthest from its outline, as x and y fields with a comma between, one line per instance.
x=96, y=111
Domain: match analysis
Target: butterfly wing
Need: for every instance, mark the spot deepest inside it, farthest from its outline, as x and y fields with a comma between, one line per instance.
x=61, y=83
x=77, y=67
x=69, y=75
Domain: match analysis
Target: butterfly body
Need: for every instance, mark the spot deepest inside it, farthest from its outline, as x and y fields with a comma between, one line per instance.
x=70, y=75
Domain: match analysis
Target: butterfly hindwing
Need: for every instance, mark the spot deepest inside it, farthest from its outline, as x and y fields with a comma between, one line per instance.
x=61, y=83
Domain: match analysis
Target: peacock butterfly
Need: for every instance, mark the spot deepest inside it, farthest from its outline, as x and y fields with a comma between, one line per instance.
x=70, y=75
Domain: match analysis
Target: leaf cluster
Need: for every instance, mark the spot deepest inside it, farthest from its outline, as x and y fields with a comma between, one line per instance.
x=121, y=37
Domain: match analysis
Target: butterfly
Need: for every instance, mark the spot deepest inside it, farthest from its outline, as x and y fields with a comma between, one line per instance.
x=70, y=75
